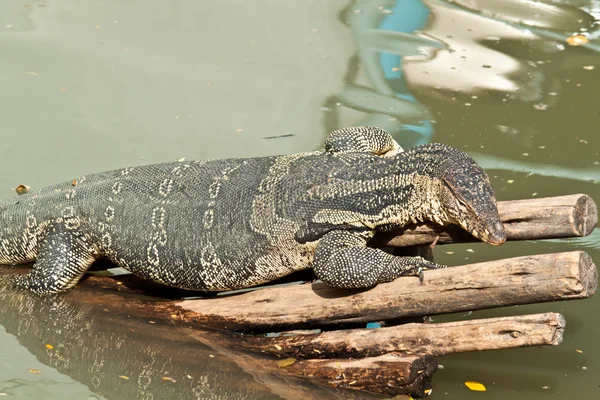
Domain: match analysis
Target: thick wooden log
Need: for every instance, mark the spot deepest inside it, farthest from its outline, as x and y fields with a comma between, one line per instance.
x=544, y=218
x=389, y=374
x=436, y=339
x=520, y=280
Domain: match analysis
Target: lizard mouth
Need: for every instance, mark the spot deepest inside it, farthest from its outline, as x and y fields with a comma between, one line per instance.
x=494, y=234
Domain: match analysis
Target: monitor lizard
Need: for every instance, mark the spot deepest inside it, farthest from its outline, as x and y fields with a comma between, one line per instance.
x=235, y=223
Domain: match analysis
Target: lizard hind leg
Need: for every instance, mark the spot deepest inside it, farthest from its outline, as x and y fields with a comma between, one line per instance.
x=64, y=254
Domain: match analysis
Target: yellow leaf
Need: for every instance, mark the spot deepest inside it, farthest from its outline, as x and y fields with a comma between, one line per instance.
x=286, y=363
x=579, y=351
x=577, y=40
x=123, y=377
x=475, y=386
x=22, y=189
x=166, y=378
x=34, y=371
x=49, y=346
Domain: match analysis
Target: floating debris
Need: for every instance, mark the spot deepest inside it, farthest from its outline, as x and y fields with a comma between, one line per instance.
x=167, y=378
x=475, y=386
x=74, y=182
x=34, y=371
x=124, y=377
x=279, y=136
x=49, y=346
x=577, y=40
x=22, y=189
x=286, y=363
x=588, y=67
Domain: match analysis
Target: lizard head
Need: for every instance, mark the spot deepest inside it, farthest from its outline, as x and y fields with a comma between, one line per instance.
x=468, y=200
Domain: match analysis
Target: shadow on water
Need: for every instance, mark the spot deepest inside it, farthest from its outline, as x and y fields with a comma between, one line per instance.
x=112, y=342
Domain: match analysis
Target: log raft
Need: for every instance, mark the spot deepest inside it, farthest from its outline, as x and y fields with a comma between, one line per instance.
x=519, y=280
x=399, y=358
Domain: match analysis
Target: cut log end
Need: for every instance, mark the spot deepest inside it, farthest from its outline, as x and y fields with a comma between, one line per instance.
x=586, y=215
x=588, y=274
x=559, y=333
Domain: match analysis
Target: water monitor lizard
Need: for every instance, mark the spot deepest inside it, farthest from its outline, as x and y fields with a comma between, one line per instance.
x=234, y=223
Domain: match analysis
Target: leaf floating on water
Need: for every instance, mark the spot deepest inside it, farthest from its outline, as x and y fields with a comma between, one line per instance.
x=579, y=351
x=124, y=377
x=577, y=40
x=286, y=363
x=49, y=346
x=475, y=386
x=34, y=371
x=167, y=378
x=22, y=189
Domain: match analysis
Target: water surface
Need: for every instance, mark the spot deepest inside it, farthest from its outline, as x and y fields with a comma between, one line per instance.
x=98, y=85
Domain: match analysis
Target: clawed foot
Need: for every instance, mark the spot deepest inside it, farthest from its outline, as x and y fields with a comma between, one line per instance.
x=427, y=265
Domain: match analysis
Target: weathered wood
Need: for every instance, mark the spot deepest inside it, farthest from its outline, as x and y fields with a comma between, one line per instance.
x=520, y=280
x=544, y=218
x=389, y=374
x=436, y=339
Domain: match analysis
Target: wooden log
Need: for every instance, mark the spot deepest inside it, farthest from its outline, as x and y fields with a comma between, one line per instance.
x=544, y=218
x=389, y=374
x=436, y=339
x=520, y=280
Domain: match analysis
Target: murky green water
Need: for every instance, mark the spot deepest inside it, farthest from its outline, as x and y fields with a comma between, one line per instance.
x=97, y=85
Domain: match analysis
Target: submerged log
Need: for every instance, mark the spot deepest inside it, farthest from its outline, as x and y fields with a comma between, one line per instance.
x=520, y=280
x=544, y=218
x=390, y=374
x=436, y=339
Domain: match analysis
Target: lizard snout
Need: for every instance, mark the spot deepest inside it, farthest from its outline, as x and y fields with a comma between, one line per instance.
x=497, y=234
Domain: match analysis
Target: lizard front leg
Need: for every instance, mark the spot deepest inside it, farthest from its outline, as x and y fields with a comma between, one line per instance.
x=343, y=260
x=64, y=254
x=368, y=139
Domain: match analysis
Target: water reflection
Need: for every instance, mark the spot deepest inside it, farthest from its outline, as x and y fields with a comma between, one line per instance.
x=112, y=343
x=458, y=51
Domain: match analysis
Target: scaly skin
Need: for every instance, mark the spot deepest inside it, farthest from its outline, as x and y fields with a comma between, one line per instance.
x=235, y=223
